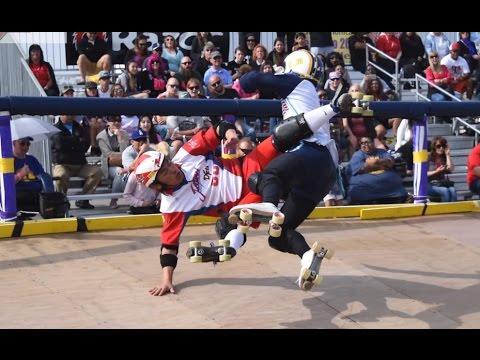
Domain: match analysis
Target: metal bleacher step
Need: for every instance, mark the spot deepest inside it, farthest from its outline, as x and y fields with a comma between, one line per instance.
x=458, y=142
x=439, y=130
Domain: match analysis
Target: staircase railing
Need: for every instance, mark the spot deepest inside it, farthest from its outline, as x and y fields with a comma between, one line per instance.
x=455, y=120
x=395, y=76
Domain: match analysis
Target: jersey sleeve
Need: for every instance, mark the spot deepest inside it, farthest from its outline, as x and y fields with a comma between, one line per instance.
x=173, y=224
x=203, y=142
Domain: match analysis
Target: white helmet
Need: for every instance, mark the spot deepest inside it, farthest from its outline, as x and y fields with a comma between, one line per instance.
x=147, y=167
x=303, y=63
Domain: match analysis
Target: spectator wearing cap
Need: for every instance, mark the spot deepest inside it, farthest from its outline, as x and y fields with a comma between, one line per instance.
x=157, y=53
x=459, y=71
x=138, y=145
x=30, y=177
x=92, y=55
x=186, y=72
x=199, y=43
x=42, y=70
x=335, y=79
x=104, y=87
x=139, y=52
x=68, y=157
x=67, y=91
x=172, y=54
x=216, y=69
x=113, y=140
x=202, y=65
x=345, y=77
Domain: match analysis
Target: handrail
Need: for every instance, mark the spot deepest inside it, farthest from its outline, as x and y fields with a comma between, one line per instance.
x=456, y=119
x=435, y=86
x=395, y=61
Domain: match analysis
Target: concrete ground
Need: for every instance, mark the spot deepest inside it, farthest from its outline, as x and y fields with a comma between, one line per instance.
x=403, y=273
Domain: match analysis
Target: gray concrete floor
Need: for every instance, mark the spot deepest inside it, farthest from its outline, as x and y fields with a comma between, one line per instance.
x=404, y=273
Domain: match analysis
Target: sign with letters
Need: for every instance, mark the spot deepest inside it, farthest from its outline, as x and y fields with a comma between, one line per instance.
x=120, y=42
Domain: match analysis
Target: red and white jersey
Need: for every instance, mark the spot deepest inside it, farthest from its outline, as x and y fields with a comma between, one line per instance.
x=211, y=185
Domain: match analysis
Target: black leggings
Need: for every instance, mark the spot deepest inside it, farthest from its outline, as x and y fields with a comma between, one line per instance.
x=302, y=178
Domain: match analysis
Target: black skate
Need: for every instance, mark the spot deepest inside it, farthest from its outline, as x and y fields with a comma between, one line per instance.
x=198, y=253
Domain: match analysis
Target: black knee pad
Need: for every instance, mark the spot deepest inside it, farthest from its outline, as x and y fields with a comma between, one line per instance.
x=289, y=132
x=279, y=243
x=254, y=181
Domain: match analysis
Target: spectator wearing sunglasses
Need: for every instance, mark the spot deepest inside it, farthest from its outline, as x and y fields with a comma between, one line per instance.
x=372, y=178
x=172, y=54
x=440, y=165
x=153, y=76
x=186, y=72
x=30, y=177
x=216, y=61
x=139, y=52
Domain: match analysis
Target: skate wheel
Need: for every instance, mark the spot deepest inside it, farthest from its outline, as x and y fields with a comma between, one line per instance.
x=307, y=285
x=224, y=242
x=329, y=254
x=195, y=244
x=367, y=112
x=243, y=228
x=305, y=273
x=233, y=219
x=246, y=214
x=357, y=95
x=278, y=218
x=368, y=98
x=318, y=279
x=225, y=257
x=357, y=110
x=196, y=259
x=275, y=231
x=316, y=247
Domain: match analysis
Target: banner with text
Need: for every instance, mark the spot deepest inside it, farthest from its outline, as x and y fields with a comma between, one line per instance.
x=120, y=42
x=340, y=43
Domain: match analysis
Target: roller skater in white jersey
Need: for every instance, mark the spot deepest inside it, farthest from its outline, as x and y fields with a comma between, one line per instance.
x=195, y=182
x=306, y=171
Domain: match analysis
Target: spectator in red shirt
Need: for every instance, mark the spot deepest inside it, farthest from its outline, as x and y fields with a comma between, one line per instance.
x=473, y=170
x=42, y=70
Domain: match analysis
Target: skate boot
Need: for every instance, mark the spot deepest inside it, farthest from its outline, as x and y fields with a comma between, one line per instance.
x=267, y=213
x=343, y=104
x=223, y=227
x=310, y=266
x=259, y=210
x=198, y=253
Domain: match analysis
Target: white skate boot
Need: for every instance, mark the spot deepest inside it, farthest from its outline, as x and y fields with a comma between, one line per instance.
x=310, y=266
x=267, y=213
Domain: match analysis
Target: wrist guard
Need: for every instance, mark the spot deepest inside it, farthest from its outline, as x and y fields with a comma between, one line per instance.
x=168, y=260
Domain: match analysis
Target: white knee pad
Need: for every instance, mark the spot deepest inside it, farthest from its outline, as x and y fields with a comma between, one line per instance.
x=237, y=239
